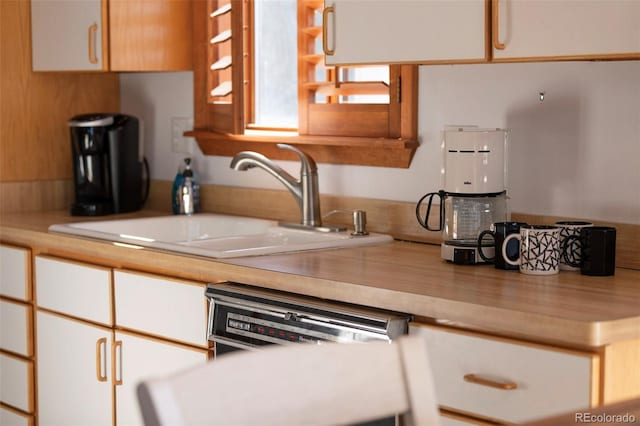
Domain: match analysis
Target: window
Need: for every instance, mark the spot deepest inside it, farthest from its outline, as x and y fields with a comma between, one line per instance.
x=343, y=115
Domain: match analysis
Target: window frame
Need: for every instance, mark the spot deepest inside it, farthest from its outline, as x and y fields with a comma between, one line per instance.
x=219, y=129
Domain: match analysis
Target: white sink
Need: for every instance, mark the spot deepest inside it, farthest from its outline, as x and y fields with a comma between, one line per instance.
x=215, y=235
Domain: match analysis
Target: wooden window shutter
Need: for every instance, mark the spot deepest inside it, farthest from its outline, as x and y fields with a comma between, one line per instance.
x=218, y=74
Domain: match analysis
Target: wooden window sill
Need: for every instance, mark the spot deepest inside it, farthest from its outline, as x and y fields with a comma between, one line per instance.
x=362, y=151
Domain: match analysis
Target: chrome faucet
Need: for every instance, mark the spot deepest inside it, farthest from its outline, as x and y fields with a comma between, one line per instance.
x=304, y=190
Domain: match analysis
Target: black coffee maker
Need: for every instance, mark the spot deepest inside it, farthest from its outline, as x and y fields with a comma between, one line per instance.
x=108, y=166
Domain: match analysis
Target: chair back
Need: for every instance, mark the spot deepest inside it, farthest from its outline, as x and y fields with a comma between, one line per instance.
x=297, y=385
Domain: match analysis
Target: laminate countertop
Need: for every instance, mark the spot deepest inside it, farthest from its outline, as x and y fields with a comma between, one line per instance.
x=568, y=308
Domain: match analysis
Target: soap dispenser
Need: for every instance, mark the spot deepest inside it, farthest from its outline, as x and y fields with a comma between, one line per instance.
x=186, y=190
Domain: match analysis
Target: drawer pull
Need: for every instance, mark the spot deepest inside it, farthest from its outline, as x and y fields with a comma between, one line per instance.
x=116, y=367
x=101, y=349
x=472, y=378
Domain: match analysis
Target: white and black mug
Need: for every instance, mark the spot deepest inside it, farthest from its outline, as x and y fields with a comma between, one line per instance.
x=539, y=249
x=571, y=248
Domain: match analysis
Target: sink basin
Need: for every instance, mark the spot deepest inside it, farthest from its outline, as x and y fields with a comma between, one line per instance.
x=215, y=235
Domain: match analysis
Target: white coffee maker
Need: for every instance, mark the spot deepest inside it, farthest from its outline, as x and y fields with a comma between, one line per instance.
x=474, y=194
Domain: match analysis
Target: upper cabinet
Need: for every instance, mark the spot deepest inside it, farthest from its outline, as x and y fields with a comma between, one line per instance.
x=550, y=30
x=111, y=35
x=467, y=31
x=405, y=31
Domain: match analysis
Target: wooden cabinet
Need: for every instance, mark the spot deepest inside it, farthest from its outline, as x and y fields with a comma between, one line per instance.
x=357, y=32
x=507, y=380
x=115, y=35
x=565, y=29
x=80, y=346
x=16, y=337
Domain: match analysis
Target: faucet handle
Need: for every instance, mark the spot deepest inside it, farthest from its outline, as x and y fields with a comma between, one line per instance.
x=308, y=164
x=359, y=220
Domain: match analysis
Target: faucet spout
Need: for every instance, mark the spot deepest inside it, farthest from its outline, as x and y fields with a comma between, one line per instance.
x=304, y=190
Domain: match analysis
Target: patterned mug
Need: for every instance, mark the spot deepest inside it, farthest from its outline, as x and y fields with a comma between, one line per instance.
x=569, y=241
x=539, y=249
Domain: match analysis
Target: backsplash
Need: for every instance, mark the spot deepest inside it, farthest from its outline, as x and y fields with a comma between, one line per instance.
x=575, y=154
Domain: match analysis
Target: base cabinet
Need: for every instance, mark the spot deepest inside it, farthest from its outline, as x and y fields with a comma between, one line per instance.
x=74, y=383
x=89, y=366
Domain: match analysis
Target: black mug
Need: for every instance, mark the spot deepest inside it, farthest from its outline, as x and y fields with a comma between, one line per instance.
x=598, y=246
x=499, y=232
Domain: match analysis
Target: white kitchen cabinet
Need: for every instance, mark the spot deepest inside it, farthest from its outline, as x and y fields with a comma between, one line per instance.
x=67, y=35
x=102, y=35
x=15, y=328
x=137, y=358
x=73, y=288
x=173, y=309
x=74, y=378
x=565, y=29
x=400, y=31
x=506, y=380
x=16, y=382
x=80, y=347
x=15, y=272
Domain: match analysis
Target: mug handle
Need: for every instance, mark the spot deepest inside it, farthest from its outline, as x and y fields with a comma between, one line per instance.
x=482, y=234
x=504, y=250
x=565, y=245
x=425, y=223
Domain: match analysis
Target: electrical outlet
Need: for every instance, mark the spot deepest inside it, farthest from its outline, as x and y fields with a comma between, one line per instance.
x=180, y=143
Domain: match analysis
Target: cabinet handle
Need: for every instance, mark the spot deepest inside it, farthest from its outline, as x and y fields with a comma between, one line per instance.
x=116, y=362
x=92, y=43
x=101, y=348
x=325, y=34
x=472, y=378
x=495, y=25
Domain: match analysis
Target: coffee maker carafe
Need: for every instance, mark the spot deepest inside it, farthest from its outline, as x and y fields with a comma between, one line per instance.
x=474, y=195
x=107, y=164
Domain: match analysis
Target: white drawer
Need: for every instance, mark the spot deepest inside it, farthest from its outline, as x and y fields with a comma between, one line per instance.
x=16, y=378
x=547, y=381
x=173, y=309
x=15, y=328
x=10, y=417
x=14, y=272
x=74, y=288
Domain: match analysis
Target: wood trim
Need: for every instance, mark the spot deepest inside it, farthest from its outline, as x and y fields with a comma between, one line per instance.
x=620, y=371
x=335, y=150
x=105, y=29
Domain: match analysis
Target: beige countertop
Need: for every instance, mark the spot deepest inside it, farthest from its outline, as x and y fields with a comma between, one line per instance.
x=566, y=309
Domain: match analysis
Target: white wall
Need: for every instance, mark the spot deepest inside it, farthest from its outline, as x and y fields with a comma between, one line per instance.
x=575, y=154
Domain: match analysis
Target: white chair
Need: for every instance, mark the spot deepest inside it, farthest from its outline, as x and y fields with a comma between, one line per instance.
x=299, y=385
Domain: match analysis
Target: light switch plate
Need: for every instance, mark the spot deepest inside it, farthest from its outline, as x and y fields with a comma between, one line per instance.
x=180, y=143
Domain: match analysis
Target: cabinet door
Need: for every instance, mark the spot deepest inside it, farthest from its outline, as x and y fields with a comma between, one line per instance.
x=398, y=31
x=566, y=28
x=136, y=359
x=74, y=386
x=15, y=272
x=67, y=35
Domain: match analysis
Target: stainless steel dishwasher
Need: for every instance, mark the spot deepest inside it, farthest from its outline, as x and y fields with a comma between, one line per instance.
x=243, y=317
